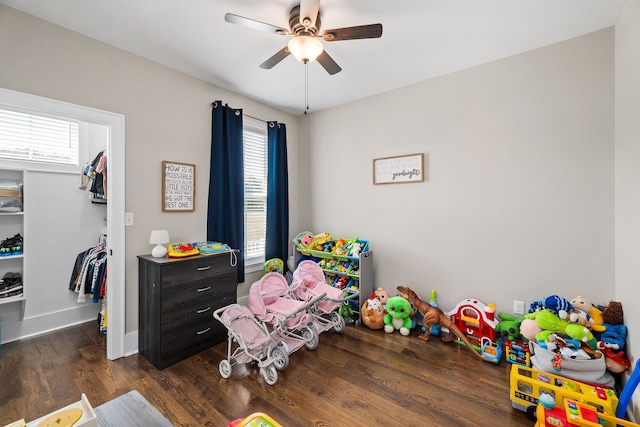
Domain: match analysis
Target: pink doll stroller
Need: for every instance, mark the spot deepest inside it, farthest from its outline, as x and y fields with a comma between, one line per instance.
x=254, y=343
x=270, y=301
x=307, y=284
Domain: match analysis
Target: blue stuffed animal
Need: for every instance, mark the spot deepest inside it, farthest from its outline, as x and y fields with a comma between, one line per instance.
x=613, y=337
x=555, y=304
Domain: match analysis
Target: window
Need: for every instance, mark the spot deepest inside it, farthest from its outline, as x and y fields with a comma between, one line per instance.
x=255, y=190
x=35, y=138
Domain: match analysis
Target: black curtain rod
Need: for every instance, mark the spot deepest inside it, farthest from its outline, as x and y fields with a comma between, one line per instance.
x=263, y=121
x=260, y=120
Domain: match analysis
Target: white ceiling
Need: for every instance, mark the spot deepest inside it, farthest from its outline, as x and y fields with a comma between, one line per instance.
x=421, y=39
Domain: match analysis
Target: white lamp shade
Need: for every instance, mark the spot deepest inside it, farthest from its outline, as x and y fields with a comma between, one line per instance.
x=158, y=238
x=305, y=48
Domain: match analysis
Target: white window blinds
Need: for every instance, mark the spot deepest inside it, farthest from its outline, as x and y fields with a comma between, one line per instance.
x=255, y=191
x=29, y=137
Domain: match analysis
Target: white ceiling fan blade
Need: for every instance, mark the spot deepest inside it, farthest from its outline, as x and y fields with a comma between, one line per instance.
x=309, y=12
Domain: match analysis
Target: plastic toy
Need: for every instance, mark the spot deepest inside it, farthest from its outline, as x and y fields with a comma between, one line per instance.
x=627, y=391
x=434, y=315
x=578, y=414
x=181, y=249
x=555, y=304
x=273, y=264
x=517, y=352
x=211, y=247
x=398, y=316
x=475, y=318
x=527, y=384
x=345, y=309
x=304, y=239
x=257, y=419
x=491, y=352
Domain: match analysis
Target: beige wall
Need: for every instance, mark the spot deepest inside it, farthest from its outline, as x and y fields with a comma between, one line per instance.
x=628, y=174
x=167, y=114
x=518, y=196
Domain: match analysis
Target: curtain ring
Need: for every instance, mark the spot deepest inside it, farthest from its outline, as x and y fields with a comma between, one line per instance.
x=215, y=104
x=272, y=124
x=237, y=112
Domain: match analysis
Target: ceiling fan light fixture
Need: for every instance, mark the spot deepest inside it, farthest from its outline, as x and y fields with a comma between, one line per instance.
x=305, y=48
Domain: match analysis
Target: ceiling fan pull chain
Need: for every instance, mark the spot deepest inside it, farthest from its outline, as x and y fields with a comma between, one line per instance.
x=306, y=86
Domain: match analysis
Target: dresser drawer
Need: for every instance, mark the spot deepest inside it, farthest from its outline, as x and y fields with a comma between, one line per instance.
x=196, y=269
x=191, y=290
x=192, y=335
x=195, y=311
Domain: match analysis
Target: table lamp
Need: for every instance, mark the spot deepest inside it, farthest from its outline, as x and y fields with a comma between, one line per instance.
x=158, y=238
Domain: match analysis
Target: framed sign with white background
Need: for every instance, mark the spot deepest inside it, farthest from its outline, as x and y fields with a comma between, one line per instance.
x=399, y=169
x=178, y=187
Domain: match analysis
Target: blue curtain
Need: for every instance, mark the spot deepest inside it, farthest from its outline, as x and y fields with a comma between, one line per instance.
x=225, y=212
x=277, y=238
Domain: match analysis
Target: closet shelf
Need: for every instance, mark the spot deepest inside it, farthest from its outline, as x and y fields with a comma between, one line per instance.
x=7, y=300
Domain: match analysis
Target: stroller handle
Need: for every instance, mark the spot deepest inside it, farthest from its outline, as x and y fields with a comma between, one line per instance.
x=350, y=297
x=304, y=307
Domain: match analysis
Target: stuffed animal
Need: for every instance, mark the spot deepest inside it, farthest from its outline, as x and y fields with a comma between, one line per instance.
x=613, y=337
x=509, y=326
x=555, y=304
x=613, y=314
x=581, y=303
x=345, y=309
x=382, y=295
x=373, y=313
x=550, y=323
x=616, y=362
x=398, y=316
x=529, y=329
x=356, y=249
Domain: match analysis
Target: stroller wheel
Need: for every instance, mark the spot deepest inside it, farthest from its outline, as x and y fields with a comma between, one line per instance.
x=338, y=322
x=269, y=374
x=280, y=358
x=311, y=337
x=225, y=368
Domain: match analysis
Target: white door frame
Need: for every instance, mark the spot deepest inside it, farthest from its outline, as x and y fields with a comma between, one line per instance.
x=115, y=208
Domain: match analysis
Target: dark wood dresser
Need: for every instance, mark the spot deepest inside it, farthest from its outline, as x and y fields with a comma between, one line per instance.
x=177, y=298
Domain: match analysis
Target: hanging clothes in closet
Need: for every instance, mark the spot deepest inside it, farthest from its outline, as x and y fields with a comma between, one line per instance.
x=94, y=178
x=89, y=275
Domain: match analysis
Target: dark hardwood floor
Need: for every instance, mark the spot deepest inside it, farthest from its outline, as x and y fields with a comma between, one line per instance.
x=359, y=378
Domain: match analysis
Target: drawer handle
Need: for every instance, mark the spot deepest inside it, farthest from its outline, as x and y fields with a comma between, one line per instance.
x=203, y=332
x=204, y=310
x=204, y=289
x=204, y=268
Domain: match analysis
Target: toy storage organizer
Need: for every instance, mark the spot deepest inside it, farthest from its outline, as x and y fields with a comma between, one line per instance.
x=343, y=270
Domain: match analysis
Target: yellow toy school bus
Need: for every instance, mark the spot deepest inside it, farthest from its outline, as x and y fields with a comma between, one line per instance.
x=528, y=385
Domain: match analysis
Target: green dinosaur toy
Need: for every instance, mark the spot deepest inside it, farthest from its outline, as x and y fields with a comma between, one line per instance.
x=398, y=316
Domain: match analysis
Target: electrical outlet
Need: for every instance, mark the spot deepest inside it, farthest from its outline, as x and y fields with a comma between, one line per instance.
x=518, y=307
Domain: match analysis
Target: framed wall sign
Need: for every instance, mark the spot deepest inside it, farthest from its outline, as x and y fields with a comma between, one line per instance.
x=178, y=186
x=399, y=169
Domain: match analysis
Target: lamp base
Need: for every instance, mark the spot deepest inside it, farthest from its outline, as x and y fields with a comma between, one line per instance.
x=158, y=251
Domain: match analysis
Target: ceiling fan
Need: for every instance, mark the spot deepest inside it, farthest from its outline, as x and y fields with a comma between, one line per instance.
x=304, y=26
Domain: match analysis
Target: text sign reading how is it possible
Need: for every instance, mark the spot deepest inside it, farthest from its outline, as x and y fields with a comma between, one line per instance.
x=400, y=169
x=178, y=186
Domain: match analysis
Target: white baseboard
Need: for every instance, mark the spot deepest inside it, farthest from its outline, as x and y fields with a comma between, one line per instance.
x=38, y=325
x=130, y=343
